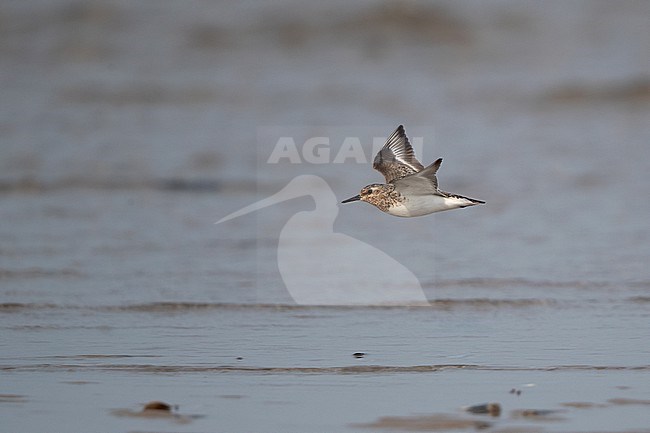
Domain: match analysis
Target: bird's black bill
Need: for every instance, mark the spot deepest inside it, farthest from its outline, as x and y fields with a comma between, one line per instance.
x=355, y=198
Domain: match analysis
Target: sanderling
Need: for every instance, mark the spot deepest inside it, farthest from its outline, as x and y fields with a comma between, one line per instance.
x=411, y=189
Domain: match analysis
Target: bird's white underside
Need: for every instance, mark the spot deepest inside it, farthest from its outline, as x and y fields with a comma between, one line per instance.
x=426, y=204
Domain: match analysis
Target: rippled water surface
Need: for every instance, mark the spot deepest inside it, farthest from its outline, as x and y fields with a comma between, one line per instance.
x=127, y=130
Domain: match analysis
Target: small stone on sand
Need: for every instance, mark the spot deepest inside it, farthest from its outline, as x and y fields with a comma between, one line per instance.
x=493, y=409
x=157, y=405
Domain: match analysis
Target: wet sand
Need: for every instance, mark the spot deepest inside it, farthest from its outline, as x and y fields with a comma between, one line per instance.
x=294, y=367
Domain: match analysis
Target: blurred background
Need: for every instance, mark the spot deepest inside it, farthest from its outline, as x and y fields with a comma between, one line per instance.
x=128, y=128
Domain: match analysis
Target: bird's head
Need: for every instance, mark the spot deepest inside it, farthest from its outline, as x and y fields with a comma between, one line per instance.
x=368, y=193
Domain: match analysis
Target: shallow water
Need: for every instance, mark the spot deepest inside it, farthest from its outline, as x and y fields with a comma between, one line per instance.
x=126, y=134
x=250, y=367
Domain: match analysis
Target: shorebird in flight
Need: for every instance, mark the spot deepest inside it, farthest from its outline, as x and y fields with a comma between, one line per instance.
x=411, y=189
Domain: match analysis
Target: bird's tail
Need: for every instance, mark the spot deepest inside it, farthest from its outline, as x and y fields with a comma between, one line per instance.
x=470, y=201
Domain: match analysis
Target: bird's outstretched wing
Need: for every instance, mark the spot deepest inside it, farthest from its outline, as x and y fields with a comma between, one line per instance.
x=397, y=159
x=424, y=182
